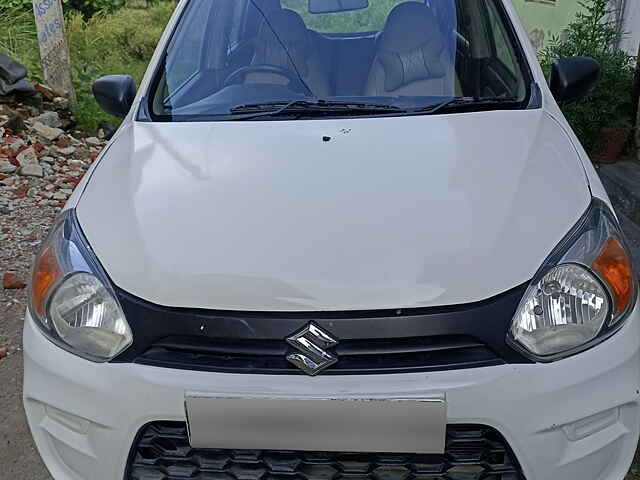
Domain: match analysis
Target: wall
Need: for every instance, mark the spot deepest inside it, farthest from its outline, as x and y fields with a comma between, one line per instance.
x=631, y=40
x=544, y=19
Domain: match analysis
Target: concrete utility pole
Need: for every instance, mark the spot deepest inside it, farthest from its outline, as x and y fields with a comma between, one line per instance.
x=54, y=52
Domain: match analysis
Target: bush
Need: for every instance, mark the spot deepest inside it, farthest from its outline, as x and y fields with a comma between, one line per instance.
x=88, y=8
x=121, y=42
x=591, y=34
x=19, y=4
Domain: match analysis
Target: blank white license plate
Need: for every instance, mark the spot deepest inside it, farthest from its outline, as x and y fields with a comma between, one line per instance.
x=347, y=425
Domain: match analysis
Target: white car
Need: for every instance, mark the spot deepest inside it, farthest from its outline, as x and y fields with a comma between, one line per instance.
x=338, y=240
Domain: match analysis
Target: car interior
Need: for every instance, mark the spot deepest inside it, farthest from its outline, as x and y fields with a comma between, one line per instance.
x=260, y=48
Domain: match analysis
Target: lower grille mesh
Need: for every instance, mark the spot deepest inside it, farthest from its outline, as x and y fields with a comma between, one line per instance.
x=473, y=452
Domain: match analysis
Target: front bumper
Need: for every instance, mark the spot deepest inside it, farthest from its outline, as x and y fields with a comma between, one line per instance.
x=574, y=419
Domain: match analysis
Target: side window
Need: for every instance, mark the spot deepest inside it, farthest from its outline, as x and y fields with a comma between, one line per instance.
x=182, y=66
x=504, y=56
x=370, y=19
x=503, y=50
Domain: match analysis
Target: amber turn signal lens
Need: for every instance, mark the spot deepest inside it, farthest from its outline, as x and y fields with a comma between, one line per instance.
x=45, y=275
x=615, y=267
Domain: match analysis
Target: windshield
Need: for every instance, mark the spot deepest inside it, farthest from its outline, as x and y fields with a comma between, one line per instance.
x=246, y=59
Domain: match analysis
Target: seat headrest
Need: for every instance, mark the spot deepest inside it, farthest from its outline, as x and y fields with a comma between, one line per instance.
x=411, y=47
x=289, y=27
x=290, y=32
x=408, y=26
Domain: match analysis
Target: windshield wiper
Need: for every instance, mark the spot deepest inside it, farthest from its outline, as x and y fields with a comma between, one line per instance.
x=327, y=107
x=464, y=102
x=245, y=112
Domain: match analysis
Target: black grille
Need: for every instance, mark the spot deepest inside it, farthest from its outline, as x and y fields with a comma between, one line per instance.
x=376, y=341
x=362, y=356
x=473, y=452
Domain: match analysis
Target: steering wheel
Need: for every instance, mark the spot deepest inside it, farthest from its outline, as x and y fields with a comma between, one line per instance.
x=240, y=74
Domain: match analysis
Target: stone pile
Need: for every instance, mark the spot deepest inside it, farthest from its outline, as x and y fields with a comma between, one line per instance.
x=42, y=160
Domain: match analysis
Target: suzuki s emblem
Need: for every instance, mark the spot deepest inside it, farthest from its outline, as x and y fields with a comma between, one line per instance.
x=312, y=343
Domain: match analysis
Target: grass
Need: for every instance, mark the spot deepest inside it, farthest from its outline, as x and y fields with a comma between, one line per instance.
x=18, y=38
x=121, y=42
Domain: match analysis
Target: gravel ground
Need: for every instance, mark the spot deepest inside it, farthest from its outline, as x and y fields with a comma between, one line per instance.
x=18, y=457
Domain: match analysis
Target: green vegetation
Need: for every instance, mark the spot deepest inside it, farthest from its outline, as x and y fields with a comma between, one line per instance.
x=106, y=43
x=87, y=7
x=122, y=42
x=25, y=4
x=592, y=34
x=369, y=19
x=18, y=37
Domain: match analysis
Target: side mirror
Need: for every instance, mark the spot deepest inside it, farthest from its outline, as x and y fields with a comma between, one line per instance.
x=115, y=94
x=573, y=78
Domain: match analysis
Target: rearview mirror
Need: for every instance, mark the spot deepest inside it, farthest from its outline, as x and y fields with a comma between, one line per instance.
x=334, y=6
x=573, y=78
x=115, y=94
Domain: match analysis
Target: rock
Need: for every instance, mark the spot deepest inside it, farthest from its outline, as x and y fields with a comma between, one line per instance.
x=3, y=352
x=76, y=164
x=47, y=132
x=67, y=151
x=27, y=157
x=35, y=101
x=61, y=103
x=49, y=160
x=21, y=191
x=59, y=196
x=11, y=282
x=106, y=131
x=38, y=147
x=16, y=145
x=32, y=170
x=15, y=123
x=50, y=119
x=93, y=141
x=47, y=93
x=63, y=142
x=6, y=167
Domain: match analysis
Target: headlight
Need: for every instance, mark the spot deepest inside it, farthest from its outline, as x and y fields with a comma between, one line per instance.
x=72, y=299
x=581, y=295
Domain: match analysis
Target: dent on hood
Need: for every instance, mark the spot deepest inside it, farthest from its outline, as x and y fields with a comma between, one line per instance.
x=398, y=213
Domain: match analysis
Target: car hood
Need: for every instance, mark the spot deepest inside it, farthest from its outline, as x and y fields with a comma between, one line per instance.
x=345, y=214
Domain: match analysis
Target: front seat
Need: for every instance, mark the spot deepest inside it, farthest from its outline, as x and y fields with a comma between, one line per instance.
x=411, y=57
x=293, y=34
